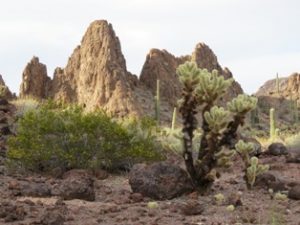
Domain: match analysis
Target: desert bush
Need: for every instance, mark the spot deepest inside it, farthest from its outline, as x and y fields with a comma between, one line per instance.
x=65, y=136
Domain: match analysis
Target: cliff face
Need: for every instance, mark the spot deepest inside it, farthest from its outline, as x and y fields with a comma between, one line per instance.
x=96, y=76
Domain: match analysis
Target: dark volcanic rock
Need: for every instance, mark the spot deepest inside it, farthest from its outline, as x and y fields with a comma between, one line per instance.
x=11, y=212
x=160, y=180
x=277, y=149
x=294, y=192
x=53, y=217
x=76, y=184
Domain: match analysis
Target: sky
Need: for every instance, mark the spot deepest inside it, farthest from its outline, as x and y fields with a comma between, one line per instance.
x=255, y=39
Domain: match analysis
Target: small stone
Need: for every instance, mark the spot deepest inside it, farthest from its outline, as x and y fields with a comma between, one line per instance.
x=136, y=197
x=192, y=207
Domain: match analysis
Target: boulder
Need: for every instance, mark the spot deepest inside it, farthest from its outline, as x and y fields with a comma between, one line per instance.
x=270, y=180
x=277, y=149
x=76, y=184
x=294, y=192
x=293, y=157
x=35, y=190
x=160, y=180
x=54, y=216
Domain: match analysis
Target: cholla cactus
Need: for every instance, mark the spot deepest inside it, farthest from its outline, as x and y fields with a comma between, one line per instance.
x=211, y=86
x=201, y=89
x=252, y=167
x=242, y=104
x=254, y=170
x=217, y=119
x=244, y=149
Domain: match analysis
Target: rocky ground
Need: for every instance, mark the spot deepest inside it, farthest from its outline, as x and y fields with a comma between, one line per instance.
x=79, y=197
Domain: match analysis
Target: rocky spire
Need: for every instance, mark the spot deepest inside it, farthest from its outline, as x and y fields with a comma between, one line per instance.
x=96, y=74
x=35, y=82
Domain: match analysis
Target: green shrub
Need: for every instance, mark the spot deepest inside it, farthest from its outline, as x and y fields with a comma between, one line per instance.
x=67, y=137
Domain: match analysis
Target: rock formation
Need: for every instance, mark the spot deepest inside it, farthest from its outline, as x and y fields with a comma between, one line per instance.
x=35, y=82
x=162, y=65
x=96, y=76
x=289, y=87
x=5, y=92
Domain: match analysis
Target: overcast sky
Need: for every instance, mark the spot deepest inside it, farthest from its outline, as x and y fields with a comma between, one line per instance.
x=255, y=39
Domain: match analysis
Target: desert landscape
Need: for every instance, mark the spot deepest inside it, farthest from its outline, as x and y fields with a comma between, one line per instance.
x=181, y=143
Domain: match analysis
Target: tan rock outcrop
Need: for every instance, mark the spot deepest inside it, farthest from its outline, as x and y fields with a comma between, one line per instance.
x=289, y=87
x=35, y=82
x=96, y=74
x=162, y=65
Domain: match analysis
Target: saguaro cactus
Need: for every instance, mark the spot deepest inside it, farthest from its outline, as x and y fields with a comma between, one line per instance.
x=219, y=126
x=157, y=102
x=295, y=111
x=174, y=119
x=277, y=84
x=272, y=124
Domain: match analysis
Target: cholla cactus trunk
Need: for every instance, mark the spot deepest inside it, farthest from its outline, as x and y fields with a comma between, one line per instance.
x=229, y=138
x=205, y=129
x=157, y=102
x=174, y=119
x=188, y=111
x=272, y=123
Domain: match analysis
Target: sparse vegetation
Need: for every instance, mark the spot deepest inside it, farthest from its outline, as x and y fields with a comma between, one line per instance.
x=51, y=136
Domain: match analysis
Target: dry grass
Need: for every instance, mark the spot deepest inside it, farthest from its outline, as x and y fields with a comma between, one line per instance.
x=24, y=105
